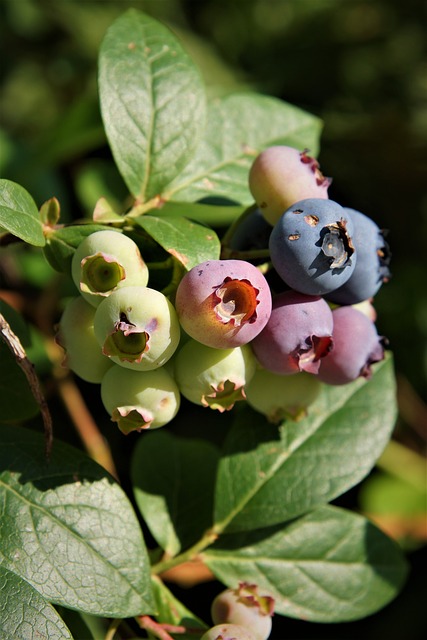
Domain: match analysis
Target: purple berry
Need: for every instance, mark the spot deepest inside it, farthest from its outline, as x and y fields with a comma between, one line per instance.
x=246, y=607
x=372, y=265
x=357, y=346
x=282, y=175
x=297, y=335
x=223, y=303
x=311, y=246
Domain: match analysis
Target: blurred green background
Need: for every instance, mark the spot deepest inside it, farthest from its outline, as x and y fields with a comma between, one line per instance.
x=361, y=66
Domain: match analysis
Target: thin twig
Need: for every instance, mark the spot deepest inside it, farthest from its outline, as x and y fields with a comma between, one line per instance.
x=14, y=344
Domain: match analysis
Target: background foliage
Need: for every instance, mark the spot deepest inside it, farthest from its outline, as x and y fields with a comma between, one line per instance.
x=362, y=68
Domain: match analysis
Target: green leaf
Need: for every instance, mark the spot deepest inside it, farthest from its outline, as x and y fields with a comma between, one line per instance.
x=68, y=528
x=214, y=215
x=330, y=565
x=239, y=127
x=169, y=610
x=61, y=243
x=269, y=475
x=25, y=614
x=19, y=214
x=152, y=102
x=190, y=243
x=177, y=509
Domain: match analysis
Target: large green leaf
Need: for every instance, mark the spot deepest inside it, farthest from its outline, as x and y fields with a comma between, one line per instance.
x=239, y=126
x=268, y=475
x=152, y=102
x=68, y=529
x=190, y=243
x=19, y=214
x=25, y=614
x=215, y=215
x=176, y=508
x=330, y=565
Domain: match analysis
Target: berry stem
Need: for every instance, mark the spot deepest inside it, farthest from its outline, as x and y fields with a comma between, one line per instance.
x=164, y=565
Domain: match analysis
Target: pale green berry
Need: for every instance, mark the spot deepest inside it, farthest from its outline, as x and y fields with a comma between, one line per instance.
x=228, y=632
x=214, y=378
x=106, y=261
x=246, y=607
x=137, y=327
x=138, y=400
x=280, y=396
x=76, y=336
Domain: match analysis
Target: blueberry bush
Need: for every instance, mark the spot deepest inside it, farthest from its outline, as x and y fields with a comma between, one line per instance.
x=194, y=312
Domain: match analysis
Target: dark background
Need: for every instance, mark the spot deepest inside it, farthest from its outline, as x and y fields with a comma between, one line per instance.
x=361, y=66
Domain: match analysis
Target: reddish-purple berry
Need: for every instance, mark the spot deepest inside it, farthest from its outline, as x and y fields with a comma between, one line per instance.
x=297, y=336
x=223, y=303
x=357, y=346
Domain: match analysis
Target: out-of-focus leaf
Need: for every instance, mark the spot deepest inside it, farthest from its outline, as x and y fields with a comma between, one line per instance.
x=19, y=213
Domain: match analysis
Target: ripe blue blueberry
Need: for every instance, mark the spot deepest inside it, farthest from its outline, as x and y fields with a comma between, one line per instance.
x=372, y=265
x=311, y=246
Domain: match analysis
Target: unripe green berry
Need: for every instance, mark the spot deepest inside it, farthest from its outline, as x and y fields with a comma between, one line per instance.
x=228, y=632
x=76, y=336
x=137, y=327
x=214, y=378
x=246, y=607
x=138, y=400
x=282, y=396
x=106, y=261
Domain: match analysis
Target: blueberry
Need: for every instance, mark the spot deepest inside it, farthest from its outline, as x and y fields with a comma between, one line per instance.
x=228, y=631
x=223, y=303
x=246, y=607
x=252, y=232
x=372, y=266
x=281, y=175
x=357, y=346
x=297, y=335
x=311, y=246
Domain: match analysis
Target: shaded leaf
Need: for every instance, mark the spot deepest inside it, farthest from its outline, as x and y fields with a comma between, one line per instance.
x=19, y=213
x=152, y=102
x=214, y=215
x=169, y=610
x=269, y=475
x=190, y=243
x=330, y=565
x=177, y=509
x=239, y=127
x=25, y=614
x=68, y=529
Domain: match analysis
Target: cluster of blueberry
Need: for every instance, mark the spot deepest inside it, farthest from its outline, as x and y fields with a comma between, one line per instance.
x=229, y=335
